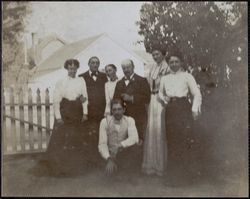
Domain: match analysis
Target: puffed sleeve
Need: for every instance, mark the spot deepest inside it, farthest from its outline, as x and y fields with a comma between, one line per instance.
x=57, y=97
x=162, y=92
x=195, y=91
x=84, y=94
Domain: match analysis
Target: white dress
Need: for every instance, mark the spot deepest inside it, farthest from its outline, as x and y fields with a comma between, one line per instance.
x=155, y=148
x=109, y=93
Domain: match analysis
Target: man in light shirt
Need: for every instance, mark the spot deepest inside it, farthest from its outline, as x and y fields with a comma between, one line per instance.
x=117, y=135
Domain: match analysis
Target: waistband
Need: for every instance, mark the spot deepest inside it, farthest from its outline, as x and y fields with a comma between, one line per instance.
x=175, y=99
x=154, y=92
x=70, y=101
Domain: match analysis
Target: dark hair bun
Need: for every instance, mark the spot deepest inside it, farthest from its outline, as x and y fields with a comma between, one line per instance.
x=74, y=62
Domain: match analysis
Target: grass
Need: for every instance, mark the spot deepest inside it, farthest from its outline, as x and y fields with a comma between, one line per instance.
x=223, y=129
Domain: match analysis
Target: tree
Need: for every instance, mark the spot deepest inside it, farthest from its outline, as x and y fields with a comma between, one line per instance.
x=14, y=13
x=201, y=30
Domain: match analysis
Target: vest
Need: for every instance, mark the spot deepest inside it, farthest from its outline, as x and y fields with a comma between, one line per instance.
x=115, y=136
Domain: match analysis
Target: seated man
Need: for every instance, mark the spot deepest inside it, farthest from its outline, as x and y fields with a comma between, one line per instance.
x=117, y=135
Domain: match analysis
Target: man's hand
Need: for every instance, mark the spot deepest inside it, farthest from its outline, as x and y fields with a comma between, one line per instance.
x=195, y=115
x=127, y=98
x=83, y=99
x=140, y=142
x=111, y=167
x=84, y=118
x=120, y=147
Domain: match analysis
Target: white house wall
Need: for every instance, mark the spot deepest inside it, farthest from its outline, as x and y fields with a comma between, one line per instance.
x=109, y=53
x=48, y=81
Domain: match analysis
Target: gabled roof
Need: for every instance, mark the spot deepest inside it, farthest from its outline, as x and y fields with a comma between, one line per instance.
x=57, y=59
x=45, y=41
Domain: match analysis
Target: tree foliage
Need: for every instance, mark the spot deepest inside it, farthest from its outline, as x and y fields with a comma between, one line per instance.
x=211, y=38
x=13, y=27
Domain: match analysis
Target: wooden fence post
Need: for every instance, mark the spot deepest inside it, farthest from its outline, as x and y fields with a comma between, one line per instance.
x=47, y=115
x=39, y=119
x=5, y=141
x=21, y=115
x=13, y=122
x=30, y=117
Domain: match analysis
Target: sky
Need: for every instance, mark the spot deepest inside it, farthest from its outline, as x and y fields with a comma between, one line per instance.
x=74, y=21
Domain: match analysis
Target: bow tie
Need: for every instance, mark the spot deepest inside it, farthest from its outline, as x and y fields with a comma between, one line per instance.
x=127, y=78
x=94, y=74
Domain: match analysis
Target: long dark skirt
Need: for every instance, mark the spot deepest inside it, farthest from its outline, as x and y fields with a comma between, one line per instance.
x=181, y=141
x=66, y=152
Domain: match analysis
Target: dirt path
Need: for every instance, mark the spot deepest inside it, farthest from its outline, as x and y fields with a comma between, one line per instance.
x=18, y=182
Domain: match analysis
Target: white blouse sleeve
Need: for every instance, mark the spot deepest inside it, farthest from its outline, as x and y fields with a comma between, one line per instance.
x=162, y=92
x=85, y=94
x=103, y=140
x=132, y=134
x=57, y=99
x=195, y=91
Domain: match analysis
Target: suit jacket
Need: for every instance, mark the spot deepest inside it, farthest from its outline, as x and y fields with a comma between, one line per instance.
x=96, y=95
x=139, y=88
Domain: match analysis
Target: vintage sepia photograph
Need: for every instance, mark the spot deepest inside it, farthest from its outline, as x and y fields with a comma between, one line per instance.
x=124, y=99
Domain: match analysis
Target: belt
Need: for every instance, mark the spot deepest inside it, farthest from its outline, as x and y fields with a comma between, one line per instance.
x=154, y=92
x=65, y=99
x=174, y=99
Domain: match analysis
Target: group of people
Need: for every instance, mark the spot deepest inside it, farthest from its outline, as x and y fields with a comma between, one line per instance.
x=133, y=123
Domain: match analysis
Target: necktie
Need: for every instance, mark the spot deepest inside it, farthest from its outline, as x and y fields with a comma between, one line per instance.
x=127, y=78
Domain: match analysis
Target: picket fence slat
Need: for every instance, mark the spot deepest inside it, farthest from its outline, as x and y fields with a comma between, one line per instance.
x=39, y=119
x=21, y=115
x=30, y=118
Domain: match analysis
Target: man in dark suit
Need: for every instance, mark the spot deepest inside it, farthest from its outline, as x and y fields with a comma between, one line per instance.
x=95, y=81
x=134, y=90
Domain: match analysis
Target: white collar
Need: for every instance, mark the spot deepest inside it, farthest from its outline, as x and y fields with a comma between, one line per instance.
x=69, y=78
x=110, y=79
x=177, y=72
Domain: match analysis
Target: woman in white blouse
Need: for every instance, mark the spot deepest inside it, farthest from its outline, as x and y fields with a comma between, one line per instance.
x=174, y=90
x=110, y=70
x=65, y=149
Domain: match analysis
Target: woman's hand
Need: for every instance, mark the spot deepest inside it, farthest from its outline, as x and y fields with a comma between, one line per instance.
x=195, y=115
x=84, y=118
x=82, y=99
x=120, y=147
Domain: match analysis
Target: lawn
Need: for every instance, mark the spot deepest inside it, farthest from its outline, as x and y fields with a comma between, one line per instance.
x=223, y=129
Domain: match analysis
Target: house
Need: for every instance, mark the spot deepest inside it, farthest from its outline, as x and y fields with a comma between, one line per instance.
x=48, y=72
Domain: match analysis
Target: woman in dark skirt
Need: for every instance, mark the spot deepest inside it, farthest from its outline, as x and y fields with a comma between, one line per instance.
x=180, y=113
x=66, y=152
